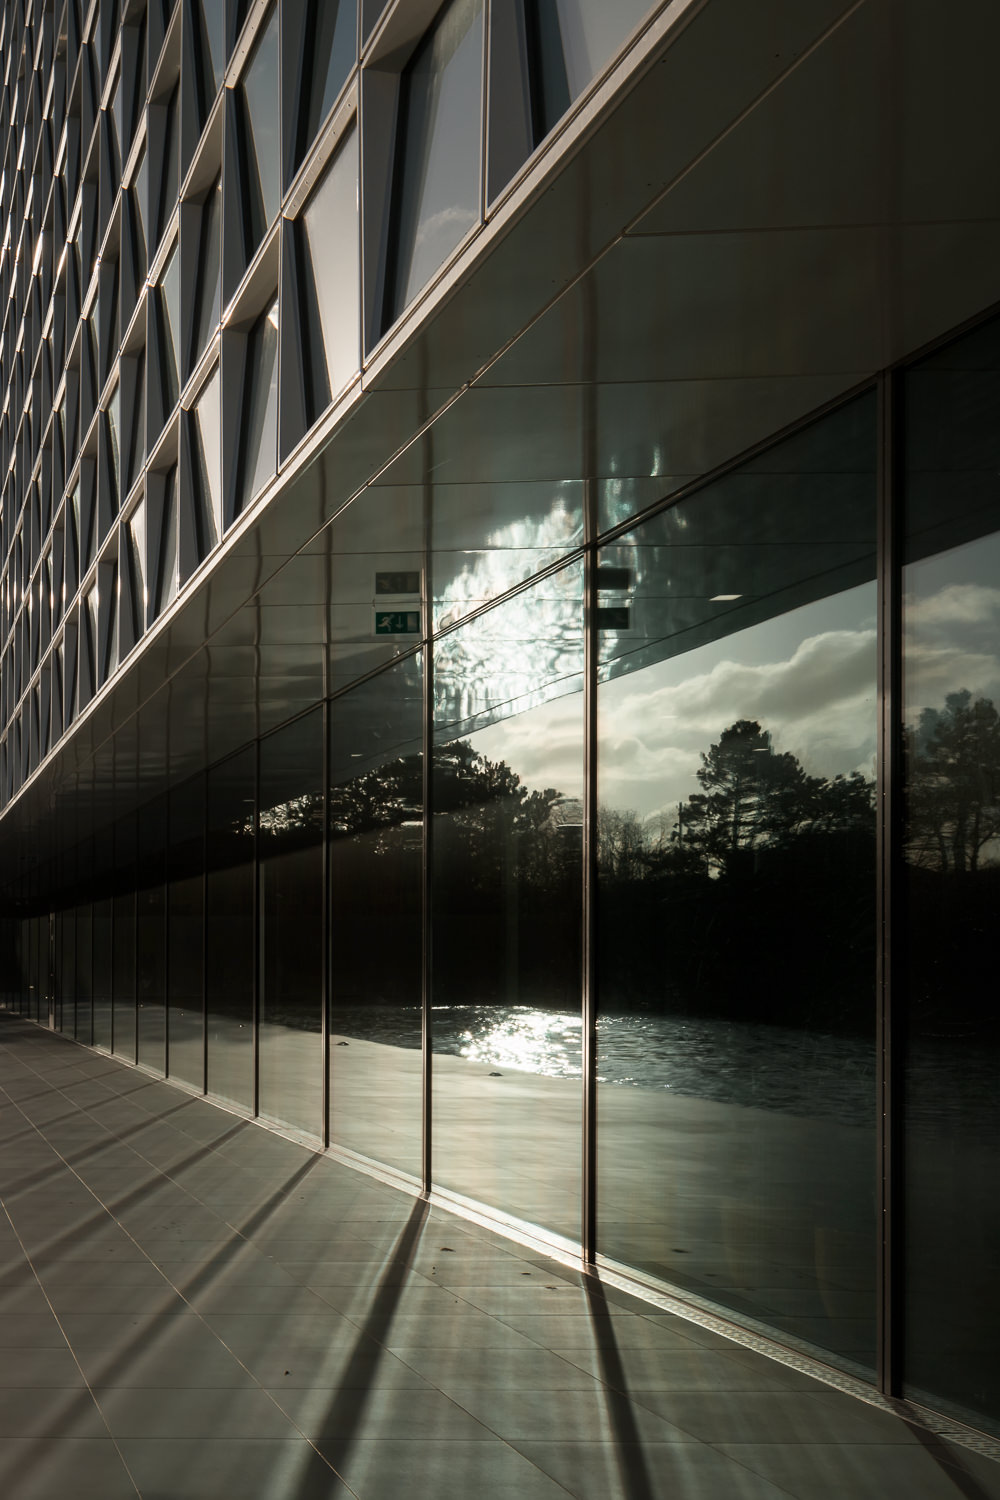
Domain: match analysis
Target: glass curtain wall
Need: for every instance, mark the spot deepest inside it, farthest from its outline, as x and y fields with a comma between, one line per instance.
x=506, y=904
x=951, y=874
x=376, y=809
x=736, y=854
x=290, y=826
x=230, y=961
x=151, y=938
x=186, y=932
x=731, y=692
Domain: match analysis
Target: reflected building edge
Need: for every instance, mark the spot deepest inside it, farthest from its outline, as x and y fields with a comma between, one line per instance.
x=460, y=581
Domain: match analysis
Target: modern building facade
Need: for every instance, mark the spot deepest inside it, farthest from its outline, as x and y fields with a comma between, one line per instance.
x=586, y=418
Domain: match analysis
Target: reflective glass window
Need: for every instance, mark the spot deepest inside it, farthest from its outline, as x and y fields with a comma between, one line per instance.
x=259, y=138
x=229, y=928
x=507, y=880
x=437, y=173
x=151, y=937
x=164, y=563
x=209, y=20
x=259, y=434
x=329, y=44
x=101, y=933
x=543, y=55
x=376, y=848
x=136, y=450
x=206, y=437
x=169, y=165
x=290, y=834
x=168, y=298
x=736, y=901
x=123, y=972
x=186, y=931
x=330, y=280
x=83, y=974
x=208, y=288
x=113, y=421
x=951, y=726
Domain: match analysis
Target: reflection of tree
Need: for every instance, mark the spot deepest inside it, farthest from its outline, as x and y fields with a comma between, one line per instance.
x=754, y=798
x=758, y=903
x=954, y=784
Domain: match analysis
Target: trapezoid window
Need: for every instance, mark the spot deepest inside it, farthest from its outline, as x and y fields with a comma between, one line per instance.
x=437, y=181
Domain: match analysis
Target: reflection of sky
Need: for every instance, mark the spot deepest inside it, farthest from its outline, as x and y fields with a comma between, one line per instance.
x=808, y=676
x=951, y=621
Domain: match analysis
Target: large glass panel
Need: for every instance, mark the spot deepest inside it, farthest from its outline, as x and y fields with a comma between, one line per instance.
x=229, y=928
x=259, y=433
x=102, y=971
x=736, y=847
x=290, y=831
x=123, y=965
x=65, y=965
x=330, y=279
x=83, y=974
x=437, y=184
x=151, y=937
x=507, y=848
x=951, y=625
x=259, y=138
x=376, y=843
x=186, y=931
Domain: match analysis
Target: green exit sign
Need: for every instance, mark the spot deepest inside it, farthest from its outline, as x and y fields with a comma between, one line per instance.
x=397, y=622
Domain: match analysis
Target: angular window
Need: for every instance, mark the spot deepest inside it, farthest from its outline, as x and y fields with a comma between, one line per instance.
x=206, y=444
x=438, y=173
x=112, y=435
x=137, y=198
x=107, y=617
x=163, y=562
x=136, y=442
x=259, y=427
x=133, y=611
x=133, y=241
x=208, y=27
x=208, y=290
x=167, y=305
x=543, y=54
x=170, y=165
x=329, y=281
x=328, y=49
x=259, y=139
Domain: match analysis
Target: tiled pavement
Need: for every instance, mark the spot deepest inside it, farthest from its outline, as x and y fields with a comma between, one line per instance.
x=191, y=1306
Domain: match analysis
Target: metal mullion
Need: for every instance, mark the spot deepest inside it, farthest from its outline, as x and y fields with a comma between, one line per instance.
x=588, y=1228
x=258, y=947
x=427, y=677
x=326, y=956
x=888, y=788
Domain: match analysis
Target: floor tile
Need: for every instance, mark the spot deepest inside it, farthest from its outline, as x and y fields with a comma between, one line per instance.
x=648, y=1471
x=228, y=1469
x=871, y=1471
x=784, y=1417
x=438, y=1470
x=380, y=1412
x=81, y=1468
x=155, y=1412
